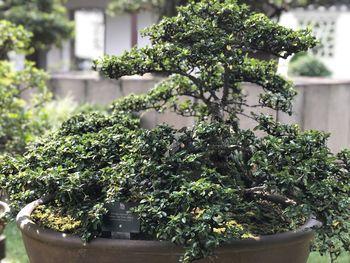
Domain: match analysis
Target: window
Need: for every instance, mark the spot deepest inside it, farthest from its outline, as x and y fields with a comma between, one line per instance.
x=323, y=25
x=89, y=37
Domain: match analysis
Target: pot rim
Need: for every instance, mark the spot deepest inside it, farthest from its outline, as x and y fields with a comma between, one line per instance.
x=6, y=208
x=32, y=230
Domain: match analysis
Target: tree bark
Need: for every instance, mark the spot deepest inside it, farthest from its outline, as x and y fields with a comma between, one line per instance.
x=261, y=192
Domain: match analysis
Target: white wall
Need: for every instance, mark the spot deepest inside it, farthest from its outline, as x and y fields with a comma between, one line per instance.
x=58, y=59
x=89, y=34
x=118, y=32
x=290, y=21
x=338, y=63
x=145, y=19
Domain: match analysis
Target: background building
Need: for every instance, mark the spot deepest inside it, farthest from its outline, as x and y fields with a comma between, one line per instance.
x=332, y=27
x=98, y=34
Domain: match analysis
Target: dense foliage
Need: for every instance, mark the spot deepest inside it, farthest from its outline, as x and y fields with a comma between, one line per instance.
x=13, y=38
x=46, y=19
x=200, y=186
x=308, y=65
x=18, y=122
x=18, y=118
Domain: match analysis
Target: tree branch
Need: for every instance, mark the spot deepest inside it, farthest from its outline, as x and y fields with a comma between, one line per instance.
x=246, y=115
x=226, y=89
x=261, y=192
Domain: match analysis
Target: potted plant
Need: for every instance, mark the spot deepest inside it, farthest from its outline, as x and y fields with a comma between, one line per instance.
x=211, y=192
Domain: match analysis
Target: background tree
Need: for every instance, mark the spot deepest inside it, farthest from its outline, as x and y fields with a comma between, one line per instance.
x=46, y=19
x=19, y=119
x=272, y=8
x=13, y=39
x=161, y=7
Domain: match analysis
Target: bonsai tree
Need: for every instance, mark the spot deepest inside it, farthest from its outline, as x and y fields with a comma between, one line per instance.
x=46, y=19
x=201, y=186
x=19, y=122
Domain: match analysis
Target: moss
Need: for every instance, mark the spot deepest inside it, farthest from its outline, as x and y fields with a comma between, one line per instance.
x=265, y=218
x=54, y=218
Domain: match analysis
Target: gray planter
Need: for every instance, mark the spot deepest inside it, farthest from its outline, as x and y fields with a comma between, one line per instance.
x=47, y=246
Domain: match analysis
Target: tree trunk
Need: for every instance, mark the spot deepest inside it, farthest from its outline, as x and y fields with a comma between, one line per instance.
x=39, y=57
x=3, y=56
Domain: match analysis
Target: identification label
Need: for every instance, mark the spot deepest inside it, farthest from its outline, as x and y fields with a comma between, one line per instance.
x=120, y=219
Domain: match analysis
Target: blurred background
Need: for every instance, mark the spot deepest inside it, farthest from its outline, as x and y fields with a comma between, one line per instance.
x=113, y=26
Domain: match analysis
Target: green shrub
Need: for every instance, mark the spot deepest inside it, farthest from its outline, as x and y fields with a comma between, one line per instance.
x=201, y=186
x=55, y=112
x=18, y=122
x=46, y=19
x=26, y=109
x=13, y=38
x=308, y=65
